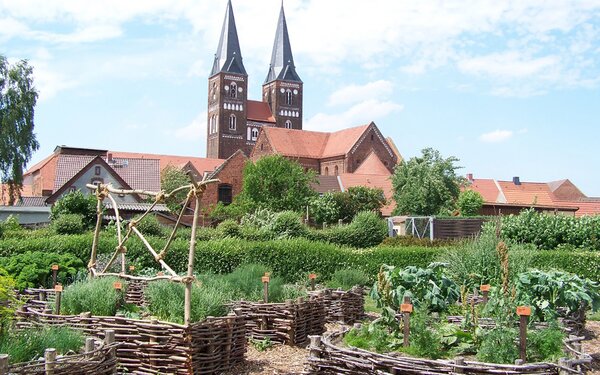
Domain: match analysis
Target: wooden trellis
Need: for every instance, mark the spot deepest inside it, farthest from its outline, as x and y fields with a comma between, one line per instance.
x=195, y=190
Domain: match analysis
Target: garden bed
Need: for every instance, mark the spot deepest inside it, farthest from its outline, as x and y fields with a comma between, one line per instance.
x=286, y=323
x=152, y=347
x=97, y=359
x=328, y=355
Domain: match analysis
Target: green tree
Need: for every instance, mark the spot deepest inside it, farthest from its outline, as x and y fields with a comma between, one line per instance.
x=17, y=139
x=364, y=198
x=75, y=202
x=469, y=202
x=426, y=185
x=277, y=183
x=171, y=178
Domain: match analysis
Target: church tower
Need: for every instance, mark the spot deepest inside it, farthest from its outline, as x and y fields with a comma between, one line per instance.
x=227, y=95
x=282, y=89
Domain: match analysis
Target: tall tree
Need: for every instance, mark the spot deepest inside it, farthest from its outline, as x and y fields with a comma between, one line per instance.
x=17, y=139
x=426, y=185
x=277, y=183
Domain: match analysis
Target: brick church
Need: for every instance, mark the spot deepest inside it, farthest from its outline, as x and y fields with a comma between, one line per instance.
x=274, y=124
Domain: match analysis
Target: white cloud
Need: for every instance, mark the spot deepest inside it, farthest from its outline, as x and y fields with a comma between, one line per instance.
x=510, y=64
x=93, y=33
x=358, y=114
x=193, y=132
x=496, y=136
x=358, y=93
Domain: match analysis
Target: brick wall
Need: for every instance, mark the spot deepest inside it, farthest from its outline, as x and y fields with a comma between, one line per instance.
x=371, y=141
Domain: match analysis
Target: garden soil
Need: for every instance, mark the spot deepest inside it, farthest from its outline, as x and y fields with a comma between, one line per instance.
x=592, y=344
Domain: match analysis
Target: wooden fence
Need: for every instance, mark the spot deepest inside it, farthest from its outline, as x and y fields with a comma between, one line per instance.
x=456, y=228
x=152, y=347
x=329, y=356
x=97, y=358
x=286, y=323
x=341, y=306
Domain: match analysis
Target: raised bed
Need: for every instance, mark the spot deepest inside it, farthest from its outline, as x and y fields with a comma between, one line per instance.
x=286, y=323
x=98, y=358
x=329, y=356
x=342, y=306
x=152, y=347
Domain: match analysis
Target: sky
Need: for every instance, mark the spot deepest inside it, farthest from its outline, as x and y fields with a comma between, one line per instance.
x=511, y=87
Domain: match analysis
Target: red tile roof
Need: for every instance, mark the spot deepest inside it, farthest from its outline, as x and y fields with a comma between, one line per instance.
x=259, y=111
x=527, y=193
x=382, y=182
x=372, y=165
x=487, y=188
x=313, y=145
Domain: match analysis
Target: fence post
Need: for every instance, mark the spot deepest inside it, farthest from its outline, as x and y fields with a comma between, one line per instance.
x=50, y=361
x=431, y=229
x=58, y=290
x=109, y=339
x=406, y=308
x=459, y=362
x=523, y=312
x=54, y=274
x=90, y=345
x=3, y=364
x=265, y=280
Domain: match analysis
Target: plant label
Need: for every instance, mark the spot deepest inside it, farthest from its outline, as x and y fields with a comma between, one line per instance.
x=160, y=273
x=132, y=268
x=523, y=310
x=265, y=279
x=312, y=276
x=55, y=267
x=485, y=288
x=406, y=308
x=117, y=285
x=58, y=288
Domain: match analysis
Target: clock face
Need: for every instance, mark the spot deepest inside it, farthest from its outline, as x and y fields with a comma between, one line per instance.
x=295, y=92
x=282, y=90
x=226, y=88
x=240, y=89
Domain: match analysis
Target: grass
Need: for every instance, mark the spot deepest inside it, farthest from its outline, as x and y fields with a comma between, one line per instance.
x=595, y=316
x=371, y=306
x=30, y=344
x=346, y=279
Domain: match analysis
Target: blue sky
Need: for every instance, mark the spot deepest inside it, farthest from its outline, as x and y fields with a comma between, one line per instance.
x=511, y=88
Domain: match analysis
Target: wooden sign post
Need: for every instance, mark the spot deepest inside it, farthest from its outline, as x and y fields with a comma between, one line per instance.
x=58, y=291
x=406, y=308
x=54, y=274
x=265, y=279
x=312, y=277
x=523, y=312
x=485, y=291
x=119, y=289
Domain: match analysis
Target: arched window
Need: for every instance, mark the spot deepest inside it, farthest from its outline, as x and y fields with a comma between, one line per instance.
x=225, y=195
x=232, y=122
x=288, y=124
x=288, y=97
x=233, y=90
x=326, y=171
x=254, y=134
x=335, y=170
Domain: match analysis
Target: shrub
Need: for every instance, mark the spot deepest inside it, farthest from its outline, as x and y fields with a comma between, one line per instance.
x=287, y=224
x=324, y=208
x=401, y=241
x=8, y=298
x=33, y=269
x=68, y=224
x=11, y=224
x=469, y=202
x=346, y=279
x=245, y=283
x=150, y=226
x=497, y=345
x=78, y=203
x=545, y=344
x=30, y=343
x=366, y=229
x=166, y=300
x=96, y=295
x=229, y=228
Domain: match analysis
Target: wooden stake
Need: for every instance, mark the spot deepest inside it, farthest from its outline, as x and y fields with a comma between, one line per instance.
x=50, y=361
x=313, y=278
x=90, y=345
x=3, y=364
x=406, y=308
x=485, y=291
x=524, y=312
x=92, y=263
x=190, y=270
x=58, y=291
x=265, y=279
x=54, y=274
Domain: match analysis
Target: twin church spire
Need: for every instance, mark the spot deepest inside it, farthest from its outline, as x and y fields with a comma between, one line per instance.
x=234, y=121
x=228, y=58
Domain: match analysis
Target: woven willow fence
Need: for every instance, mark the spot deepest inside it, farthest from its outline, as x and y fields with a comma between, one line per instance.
x=286, y=323
x=341, y=306
x=329, y=356
x=152, y=347
x=97, y=358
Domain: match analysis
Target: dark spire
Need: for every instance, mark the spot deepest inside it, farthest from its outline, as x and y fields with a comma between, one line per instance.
x=282, y=62
x=228, y=58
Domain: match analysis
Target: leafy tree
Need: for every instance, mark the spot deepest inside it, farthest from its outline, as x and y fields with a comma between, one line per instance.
x=76, y=202
x=426, y=185
x=277, y=183
x=171, y=178
x=17, y=139
x=325, y=208
x=469, y=202
x=331, y=207
x=366, y=199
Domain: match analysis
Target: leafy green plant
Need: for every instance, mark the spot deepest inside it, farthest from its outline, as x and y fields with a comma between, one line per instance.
x=33, y=269
x=9, y=300
x=96, y=295
x=348, y=278
x=287, y=224
x=68, y=224
x=229, y=228
x=262, y=345
x=552, y=290
x=172, y=177
x=150, y=226
x=545, y=344
x=497, y=345
x=469, y=202
x=30, y=343
x=425, y=338
x=373, y=337
x=428, y=288
x=245, y=283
